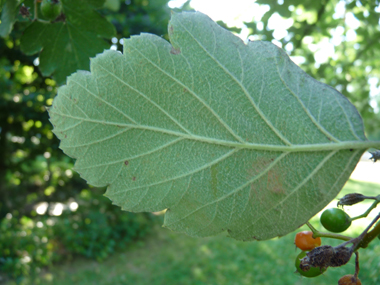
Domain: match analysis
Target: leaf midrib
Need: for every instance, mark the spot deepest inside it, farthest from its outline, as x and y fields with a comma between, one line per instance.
x=268, y=147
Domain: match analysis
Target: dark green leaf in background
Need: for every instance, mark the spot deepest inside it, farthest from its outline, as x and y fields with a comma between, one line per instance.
x=66, y=46
x=8, y=16
x=225, y=136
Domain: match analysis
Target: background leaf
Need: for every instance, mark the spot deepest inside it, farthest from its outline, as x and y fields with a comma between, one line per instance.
x=8, y=16
x=67, y=46
x=224, y=135
x=113, y=5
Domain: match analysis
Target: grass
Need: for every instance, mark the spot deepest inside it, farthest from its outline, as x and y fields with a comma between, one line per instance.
x=172, y=258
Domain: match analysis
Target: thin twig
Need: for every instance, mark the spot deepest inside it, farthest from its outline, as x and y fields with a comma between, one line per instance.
x=35, y=11
x=356, y=265
x=365, y=214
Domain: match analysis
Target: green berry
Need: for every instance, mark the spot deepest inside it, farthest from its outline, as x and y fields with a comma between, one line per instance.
x=335, y=220
x=312, y=272
x=51, y=9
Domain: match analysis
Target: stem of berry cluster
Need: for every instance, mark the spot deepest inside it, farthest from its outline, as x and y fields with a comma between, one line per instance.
x=357, y=268
x=365, y=214
x=317, y=233
x=35, y=11
x=361, y=241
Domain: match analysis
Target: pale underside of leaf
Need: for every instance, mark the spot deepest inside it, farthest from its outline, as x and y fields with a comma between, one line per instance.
x=225, y=136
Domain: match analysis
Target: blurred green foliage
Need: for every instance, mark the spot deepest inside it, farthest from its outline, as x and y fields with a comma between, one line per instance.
x=33, y=170
x=25, y=247
x=95, y=230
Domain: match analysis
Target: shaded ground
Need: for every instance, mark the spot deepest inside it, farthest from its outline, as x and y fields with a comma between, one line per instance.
x=171, y=258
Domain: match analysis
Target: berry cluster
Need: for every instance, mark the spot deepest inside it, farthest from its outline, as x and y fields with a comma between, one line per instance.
x=315, y=258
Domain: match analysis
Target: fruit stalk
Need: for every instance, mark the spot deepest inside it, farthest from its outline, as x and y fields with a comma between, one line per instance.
x=366, y=213
x=317, y=233
x=35, y=11
x=370, y=235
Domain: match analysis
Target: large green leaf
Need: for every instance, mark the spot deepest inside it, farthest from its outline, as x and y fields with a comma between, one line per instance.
x=66, y=46
x=224, y=135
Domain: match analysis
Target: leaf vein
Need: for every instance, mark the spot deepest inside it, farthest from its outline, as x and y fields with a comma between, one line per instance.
x=135, y=156
x=292, y=148
x=215, y=161
x=237, y=189
x=99, y=141
x=105, y=102
x=245, y=91
x=228, y=128
x=311, y=174
x=148, y=100
x=348, y=120
x=307, y=112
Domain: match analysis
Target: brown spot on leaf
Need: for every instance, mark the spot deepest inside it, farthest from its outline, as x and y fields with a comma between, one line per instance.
x=271, y=186
x=175, y=51
x=258, y=196
x=134, y=178
x=257, y=193
x=274, y=182
x=214, y=180
x=126, y=162
x=258, y=166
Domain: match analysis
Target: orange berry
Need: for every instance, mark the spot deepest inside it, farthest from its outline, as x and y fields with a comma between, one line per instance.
x=349, y=280
x=305, y=241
